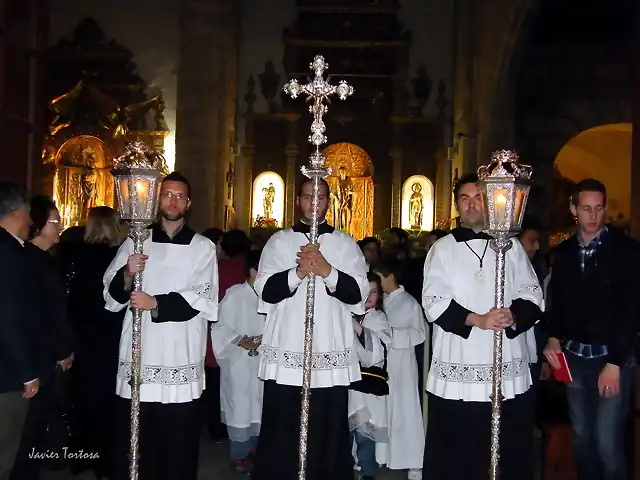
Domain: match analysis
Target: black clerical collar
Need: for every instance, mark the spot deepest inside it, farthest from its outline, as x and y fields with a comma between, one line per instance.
x=302, y=227
x=182, y=236
x=463, y=234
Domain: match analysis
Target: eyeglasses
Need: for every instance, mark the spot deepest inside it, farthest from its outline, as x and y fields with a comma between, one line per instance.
x=177, y=196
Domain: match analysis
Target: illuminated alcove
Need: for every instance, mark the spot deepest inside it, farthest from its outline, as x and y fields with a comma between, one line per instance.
x=420, y=185
x=603, y=153
x=268, y=186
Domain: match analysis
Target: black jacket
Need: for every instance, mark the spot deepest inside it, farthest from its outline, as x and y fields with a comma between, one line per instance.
x=53, y=312
x=22, y=345
x=599, y=305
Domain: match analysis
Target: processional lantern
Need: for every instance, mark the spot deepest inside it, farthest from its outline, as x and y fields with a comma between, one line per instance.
x=505, y=186
x=137, y=175
x=317, y=91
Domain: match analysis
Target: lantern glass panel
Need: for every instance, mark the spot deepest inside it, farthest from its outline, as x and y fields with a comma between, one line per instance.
x=520, y=196
x=142, y=196
x=500, y=199
x=125, y=198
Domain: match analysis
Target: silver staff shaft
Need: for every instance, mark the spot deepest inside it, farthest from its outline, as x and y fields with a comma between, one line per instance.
x=317, y=91
x=308, y=338
x=500, y=246
x=137, y=235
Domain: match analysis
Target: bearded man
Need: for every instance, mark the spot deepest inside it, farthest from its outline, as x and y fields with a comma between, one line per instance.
x=179, y=296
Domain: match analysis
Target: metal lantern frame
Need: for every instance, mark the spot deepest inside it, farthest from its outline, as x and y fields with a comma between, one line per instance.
x=505, y=187
x=317, y=91
x=137, y=173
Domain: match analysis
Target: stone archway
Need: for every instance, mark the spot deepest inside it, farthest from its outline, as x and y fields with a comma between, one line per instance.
x=603, y=153
x=566, y=81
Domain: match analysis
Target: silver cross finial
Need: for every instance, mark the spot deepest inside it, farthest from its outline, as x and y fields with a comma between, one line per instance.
x=317, y=90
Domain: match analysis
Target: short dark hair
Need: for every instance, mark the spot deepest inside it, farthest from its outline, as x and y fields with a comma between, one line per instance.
x=178, y=177
x=529, y=222
x=252, y=261
x=41, y=207
x=388, y=266
x=367, y=240
x=12, y=197
x=235, y=242
x=438, y=233
x=309, y=180
x=464, y=180
x=372, y=277
x=588, y=185
x=214, y=234
x=400, y=233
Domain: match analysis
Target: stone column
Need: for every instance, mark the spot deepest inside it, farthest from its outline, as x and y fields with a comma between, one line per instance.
x=291, y=152
x=205, y=117
x=396, y=186
x=244, y=187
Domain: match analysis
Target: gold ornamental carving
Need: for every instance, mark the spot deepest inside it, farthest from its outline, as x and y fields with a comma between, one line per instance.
x=352, y=192
x=87, y=128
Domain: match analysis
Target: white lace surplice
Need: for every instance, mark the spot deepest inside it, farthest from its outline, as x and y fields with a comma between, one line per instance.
x=240, y=387
x=461, y=368
x=172, y=352
x=281, y=353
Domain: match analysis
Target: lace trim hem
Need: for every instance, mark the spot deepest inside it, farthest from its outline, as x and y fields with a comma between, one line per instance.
x=460, y=373
x=158, y=374
x=319, y=361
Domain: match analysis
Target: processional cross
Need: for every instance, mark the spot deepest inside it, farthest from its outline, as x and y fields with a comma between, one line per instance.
x=317, y=90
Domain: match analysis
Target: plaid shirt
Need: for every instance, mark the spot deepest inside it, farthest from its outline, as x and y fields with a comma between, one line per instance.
x=582, y=349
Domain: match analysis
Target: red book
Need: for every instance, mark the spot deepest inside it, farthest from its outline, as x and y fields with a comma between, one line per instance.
x=562, y=374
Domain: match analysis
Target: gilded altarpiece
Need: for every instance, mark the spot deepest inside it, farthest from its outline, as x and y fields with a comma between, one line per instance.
x=352, y=192
x=82, y=179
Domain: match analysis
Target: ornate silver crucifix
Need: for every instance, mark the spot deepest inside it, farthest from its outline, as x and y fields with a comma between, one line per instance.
x=317, y=90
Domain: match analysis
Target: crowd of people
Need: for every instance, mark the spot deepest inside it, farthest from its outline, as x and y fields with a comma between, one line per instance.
x=402, y=346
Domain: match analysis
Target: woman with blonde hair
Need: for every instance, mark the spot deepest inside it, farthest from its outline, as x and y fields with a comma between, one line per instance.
x=104, y=226
x=98, y=335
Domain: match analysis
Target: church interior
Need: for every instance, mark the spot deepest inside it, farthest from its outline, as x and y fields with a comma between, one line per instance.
x=438, y=85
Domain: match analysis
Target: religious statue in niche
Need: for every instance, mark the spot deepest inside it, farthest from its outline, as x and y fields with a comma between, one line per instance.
x=268, y=197
x=89, y=180
x=342, y=201
x=416, y=206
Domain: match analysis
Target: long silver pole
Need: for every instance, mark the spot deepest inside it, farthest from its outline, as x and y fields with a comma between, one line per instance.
x=500, y=246
x=317, y=91
x=138, y=233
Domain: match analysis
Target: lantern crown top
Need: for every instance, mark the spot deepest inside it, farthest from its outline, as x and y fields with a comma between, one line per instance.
x=504, y=164
x=139, y=155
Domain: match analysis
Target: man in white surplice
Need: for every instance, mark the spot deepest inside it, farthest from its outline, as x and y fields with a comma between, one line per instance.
x=179, y=296
x=235, y=340
x=459, y=297
x=341, y=289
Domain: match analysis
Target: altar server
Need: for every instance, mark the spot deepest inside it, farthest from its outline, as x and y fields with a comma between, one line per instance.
x=367, y=401
x=459, y=298
x=179, y=296
x=408, y=329
x=341, y=287
x=235, y=340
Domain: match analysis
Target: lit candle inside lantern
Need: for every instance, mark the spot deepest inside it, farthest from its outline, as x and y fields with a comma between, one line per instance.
x=501, y=208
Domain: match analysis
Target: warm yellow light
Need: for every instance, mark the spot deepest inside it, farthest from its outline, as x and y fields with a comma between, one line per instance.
x=170, y=151
x=501, y=199
x=271, y=184
x=426, y=190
